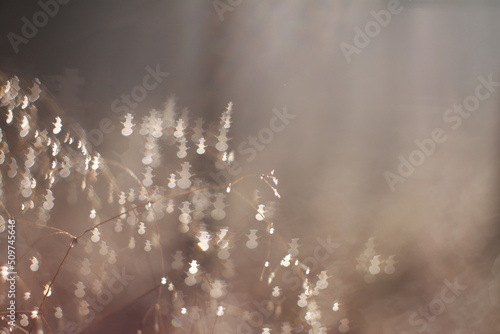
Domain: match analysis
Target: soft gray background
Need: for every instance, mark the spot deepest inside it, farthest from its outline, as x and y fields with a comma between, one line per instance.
x=352, y=120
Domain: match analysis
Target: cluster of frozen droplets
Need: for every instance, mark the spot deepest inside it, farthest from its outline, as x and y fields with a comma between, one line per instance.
x=165, y=190
x=372, y=264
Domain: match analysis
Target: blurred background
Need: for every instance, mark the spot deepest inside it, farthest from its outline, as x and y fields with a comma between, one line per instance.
x=360, y=88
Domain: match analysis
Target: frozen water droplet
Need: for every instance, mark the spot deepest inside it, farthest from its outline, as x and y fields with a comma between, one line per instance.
x=34, y=264
x=24, y=320
x=344, y=326
x=58, y=314
x=194, y=267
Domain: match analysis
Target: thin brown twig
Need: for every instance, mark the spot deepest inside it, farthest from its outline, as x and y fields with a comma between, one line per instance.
x=51, y=284
x=104, y=317
x=47, y=324
x=22, y=221
x=215, y=324
x=124, y=212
